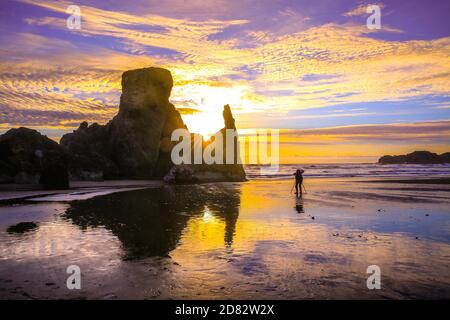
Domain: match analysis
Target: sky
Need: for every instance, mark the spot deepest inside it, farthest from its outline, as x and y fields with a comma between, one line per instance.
x=337, y=90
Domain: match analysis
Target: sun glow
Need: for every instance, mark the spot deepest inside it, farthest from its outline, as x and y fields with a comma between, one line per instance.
x=208, y=100
x=205, y=123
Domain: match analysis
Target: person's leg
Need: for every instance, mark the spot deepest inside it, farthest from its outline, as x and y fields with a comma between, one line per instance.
x=296, y=187
x=300, y=186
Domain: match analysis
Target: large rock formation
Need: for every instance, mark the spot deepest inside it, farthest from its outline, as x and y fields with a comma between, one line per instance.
x=416, y=157
x=26, y=156
x=135, y=144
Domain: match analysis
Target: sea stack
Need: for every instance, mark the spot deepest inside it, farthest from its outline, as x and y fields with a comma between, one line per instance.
x=131, y=144
x=416, y=157
x=136, y=143
x=192, y=173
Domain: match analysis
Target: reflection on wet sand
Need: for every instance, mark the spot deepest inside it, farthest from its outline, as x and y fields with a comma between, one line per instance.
x=150, y=222
x=250, y=240
x=299, y=205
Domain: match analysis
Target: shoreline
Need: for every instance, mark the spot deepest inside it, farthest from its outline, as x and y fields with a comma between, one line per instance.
x=79, y=190
x=82, y=190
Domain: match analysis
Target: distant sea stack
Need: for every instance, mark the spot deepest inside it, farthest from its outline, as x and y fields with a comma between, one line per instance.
x=416, y=157
x=135, y=144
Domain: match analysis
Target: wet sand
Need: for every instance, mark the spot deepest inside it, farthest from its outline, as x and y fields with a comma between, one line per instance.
x=14, y=192
x=251, y=240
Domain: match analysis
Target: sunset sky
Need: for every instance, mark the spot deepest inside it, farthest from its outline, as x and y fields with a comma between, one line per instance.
x=337, y=90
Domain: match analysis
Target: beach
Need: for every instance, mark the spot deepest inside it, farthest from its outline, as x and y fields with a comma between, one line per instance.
x=249, y=240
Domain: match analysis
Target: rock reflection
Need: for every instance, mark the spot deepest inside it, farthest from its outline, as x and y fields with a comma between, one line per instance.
x=150, y=222
x=22, y=227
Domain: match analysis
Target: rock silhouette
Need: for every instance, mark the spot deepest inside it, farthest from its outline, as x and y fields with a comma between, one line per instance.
x=416, y=157
x=129, y=145
x=136, y=143
x=26, y=156
x=211, y=172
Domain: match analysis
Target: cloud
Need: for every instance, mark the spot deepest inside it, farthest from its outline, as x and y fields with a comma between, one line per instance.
x=361, y=142
x=257, y=69
x=412, y=132
x=361, y=10
x=446, y=106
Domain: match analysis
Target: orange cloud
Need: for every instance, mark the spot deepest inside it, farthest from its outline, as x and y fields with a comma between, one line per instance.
x=349, y=66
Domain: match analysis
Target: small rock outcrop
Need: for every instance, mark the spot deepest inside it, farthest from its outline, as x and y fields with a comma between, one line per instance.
x=26, y=156
x=212, y=172
x=445, y=157
x=22, y=227
x=224, y=172
x=416, y=157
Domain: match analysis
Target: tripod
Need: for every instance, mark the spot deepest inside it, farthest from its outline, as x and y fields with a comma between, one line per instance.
x=303, y=185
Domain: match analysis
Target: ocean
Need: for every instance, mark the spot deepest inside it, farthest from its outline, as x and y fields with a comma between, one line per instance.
x=340, y=170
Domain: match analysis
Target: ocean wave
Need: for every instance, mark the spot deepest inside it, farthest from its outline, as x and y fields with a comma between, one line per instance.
x=348, y=170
